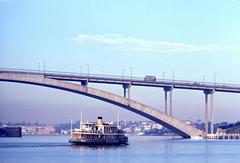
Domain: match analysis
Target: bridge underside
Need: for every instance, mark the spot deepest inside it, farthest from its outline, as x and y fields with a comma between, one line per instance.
x=177, y=126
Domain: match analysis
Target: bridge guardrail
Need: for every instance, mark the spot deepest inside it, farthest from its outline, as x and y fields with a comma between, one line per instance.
x=125, y=78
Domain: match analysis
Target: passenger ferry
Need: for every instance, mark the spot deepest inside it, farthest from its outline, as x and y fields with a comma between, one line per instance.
x=99, y=133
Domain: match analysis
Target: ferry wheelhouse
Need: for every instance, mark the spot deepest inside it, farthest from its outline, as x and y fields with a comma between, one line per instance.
x=99, y=133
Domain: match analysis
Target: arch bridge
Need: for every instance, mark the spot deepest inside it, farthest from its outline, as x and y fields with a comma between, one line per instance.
x=181, y=128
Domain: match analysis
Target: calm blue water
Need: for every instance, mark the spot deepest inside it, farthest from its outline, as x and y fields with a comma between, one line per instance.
x=34, y=149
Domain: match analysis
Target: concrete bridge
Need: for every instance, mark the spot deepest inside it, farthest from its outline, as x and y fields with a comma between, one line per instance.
x=128, y=81
x=42, y=79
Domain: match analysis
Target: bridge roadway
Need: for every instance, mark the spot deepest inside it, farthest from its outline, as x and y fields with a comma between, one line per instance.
x=177, y=126
x=132, y=81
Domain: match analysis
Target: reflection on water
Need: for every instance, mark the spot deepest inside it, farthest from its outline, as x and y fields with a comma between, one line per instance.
x=140, y=149
x=99, y=148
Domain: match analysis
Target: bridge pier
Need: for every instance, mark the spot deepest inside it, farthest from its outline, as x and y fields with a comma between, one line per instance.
x=129, y=93
x=207, y=92
x=171, y=102
x=124, y=92
x=165, y=101
x=126, y=88
x=166, y=90
x=212, y=125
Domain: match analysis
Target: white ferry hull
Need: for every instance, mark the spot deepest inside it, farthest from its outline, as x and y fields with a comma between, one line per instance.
x=99, y=141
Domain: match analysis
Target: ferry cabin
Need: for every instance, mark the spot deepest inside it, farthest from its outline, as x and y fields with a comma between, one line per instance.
x=92, y=130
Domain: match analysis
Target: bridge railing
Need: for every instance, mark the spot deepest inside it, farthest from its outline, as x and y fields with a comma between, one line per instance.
x=70, y=74
x=123, y=78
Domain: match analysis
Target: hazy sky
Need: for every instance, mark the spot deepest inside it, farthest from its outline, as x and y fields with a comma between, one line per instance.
x=191, y=38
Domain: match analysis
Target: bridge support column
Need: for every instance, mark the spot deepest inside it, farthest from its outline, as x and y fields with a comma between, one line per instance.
x=129, y=93
x=124, y=92
x=170, y=102
x=206, y=113
x=126, y=88
x=165, y=101
x=166, y=90
x=212, y=124
x=207, y=92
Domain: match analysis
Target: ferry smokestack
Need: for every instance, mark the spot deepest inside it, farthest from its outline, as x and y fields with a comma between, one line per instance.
x=99, y=121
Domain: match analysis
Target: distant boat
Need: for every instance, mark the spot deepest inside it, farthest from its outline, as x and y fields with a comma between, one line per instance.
x=98, y=133
x=10, y=131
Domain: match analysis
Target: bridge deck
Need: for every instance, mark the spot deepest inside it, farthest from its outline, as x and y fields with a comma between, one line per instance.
x=134, y=81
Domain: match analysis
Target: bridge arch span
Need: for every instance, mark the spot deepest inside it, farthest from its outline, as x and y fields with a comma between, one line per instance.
x=180, y=127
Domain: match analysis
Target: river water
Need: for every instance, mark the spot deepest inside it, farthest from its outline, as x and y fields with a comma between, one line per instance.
x=149, y=149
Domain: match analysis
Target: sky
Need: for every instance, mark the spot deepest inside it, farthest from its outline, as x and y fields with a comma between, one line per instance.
x=193, y=39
